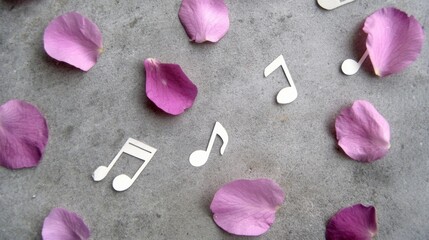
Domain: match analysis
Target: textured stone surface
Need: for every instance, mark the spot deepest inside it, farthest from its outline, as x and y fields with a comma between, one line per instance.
x=91, y=115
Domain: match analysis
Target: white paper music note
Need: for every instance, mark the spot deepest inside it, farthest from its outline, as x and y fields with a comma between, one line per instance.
x=287, y=94
x=200, y=157
x=331, y=4
x=134, y=148
x=350, y=66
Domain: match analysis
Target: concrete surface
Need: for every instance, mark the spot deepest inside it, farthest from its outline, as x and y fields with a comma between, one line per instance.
x=92, y=114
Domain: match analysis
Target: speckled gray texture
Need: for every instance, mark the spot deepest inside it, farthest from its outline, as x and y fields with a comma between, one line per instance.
x=91, y=115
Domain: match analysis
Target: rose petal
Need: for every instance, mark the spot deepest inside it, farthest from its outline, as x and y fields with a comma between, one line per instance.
x=357, y=222
x=168, y=87
x=73, y=39
x=247, y=207
x=64, y=225
x=394, y=40
x=204, y=20
x=362, y=132
x=23, y=135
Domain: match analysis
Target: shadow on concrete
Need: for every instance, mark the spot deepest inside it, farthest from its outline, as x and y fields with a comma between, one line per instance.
x=358, y=43
x=11, y=4
x=331, y=130
x=61, y=66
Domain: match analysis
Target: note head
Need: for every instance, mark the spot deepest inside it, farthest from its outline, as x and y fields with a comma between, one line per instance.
x=100, y=173
x=122, y=182
x=350, y=67
x=287, y=95
x=198, y=158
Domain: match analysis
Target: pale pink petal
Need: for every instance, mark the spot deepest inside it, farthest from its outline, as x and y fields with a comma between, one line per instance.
x=394, y=40
x=168, y=86
x=204, y=20
x=247, y=207
x=61, y=224
x=23, y=135
x=73, y=39
x=357, y=222
x=362, y=132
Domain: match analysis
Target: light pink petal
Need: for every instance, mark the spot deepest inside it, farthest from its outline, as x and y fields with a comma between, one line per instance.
x=204, y=20
x=362, y=132
x=247, y=207
x=168, y=87
x=61, y=224
x=357, y=222
x=394, y=40
x=23, y=135
x=73, y=39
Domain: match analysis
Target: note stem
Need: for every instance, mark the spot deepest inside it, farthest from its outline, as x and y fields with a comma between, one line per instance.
x=362, y=59
x=211, y=141
x=112, y=163
x=142, y=167
x=287, y=73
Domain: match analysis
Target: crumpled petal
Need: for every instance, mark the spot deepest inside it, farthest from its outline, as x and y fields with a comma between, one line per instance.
x=362, y=132
x=394, y=40
x=168, y=86
x=357, y=222
x=64, y=225
x=204, y=20
x=247, y=207
x=73, y=39
x=23, y=135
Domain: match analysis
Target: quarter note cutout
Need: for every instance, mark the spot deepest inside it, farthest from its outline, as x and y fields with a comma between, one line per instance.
x=200, y=157
x=350, y=66
x=287, y=94
x=131, y=147
x=331, y=4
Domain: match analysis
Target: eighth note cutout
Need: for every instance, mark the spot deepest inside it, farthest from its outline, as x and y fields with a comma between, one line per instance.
x=350, y=66
x=287, y=94
x=131, y=147
x=200, y=157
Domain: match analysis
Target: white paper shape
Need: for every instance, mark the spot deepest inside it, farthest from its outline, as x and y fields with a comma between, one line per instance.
x=199, y=157
x=350, y=66
x=287, y=94
x=131, y=147
x=331, y=4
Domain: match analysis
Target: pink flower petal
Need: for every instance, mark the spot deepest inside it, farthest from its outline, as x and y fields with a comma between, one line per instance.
x=394, y=40
x=204, y=20
x=23, y=135
x=357, y=222
x=73, y=39
x=362, y=132
x=64, y=225
x=247, y=207
x=168, y=87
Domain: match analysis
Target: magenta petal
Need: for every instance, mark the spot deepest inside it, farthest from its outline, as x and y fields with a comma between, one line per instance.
x=168, y=87
x=64, y=225
x=23, y=135
x=357, y=222
x=73, y=39
x=247, y=207
x=204, y=20
x=362, y=132
x=394, y=40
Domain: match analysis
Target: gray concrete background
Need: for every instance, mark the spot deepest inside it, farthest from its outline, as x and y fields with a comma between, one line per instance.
x=91, y=115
